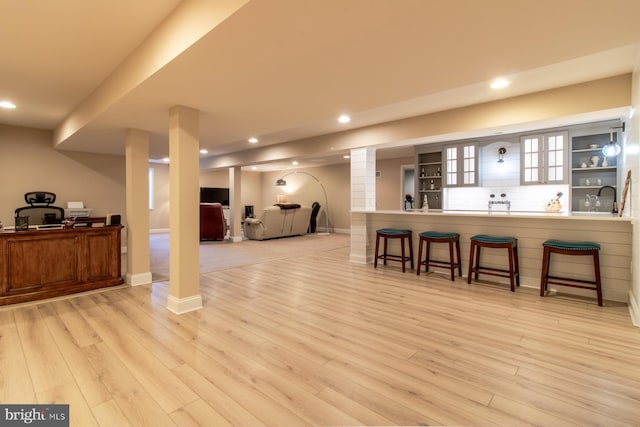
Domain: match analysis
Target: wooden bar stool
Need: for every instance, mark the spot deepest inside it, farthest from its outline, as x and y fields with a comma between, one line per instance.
x=483, y=241
x=429, y=237
x=393, y=233
x=571, y=248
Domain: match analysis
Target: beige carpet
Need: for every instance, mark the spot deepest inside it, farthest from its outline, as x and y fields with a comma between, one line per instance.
x=221, y=255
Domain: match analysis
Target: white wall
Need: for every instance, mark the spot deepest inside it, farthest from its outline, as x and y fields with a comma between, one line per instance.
x=632, y=163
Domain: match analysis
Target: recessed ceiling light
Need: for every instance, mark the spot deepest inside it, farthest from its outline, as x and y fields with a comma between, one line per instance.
x=253, y=140
x=499, y=83
x=344, y=118
x=204, y=151
x=8, y=105
x=346, y=156
x=294, y=163
x=166, y=160
x=254, y=168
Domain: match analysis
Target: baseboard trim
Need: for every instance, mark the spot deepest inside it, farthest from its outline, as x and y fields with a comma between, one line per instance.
x=634, y=310
x=184, y=305
x=359, y=259
x=235, y=239
x=158, y=230
x=139, y=279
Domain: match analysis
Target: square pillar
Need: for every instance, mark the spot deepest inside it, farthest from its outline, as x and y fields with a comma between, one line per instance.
x=235, y=201
x=137, y=188
x=363, y=198
x=184, y=214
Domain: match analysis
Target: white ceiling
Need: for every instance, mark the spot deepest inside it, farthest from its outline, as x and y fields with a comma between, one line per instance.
x=285, y=69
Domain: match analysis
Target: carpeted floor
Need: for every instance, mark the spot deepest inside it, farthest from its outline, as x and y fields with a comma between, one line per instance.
x=221, y=255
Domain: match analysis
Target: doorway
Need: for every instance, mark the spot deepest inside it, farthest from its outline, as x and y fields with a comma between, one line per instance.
x=407, y=184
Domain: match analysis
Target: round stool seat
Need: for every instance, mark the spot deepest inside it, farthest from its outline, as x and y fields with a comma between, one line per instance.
x=393, y=231
x=572, y=246
x=483, y=238
x=436, y=235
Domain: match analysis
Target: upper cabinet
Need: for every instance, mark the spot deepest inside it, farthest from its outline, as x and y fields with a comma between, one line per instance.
x=461, y=164
x=544, y=158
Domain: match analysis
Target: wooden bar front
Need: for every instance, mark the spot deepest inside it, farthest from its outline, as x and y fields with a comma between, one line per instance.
x=48, y=263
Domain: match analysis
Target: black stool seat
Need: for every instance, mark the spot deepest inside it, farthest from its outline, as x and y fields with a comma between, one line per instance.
x=429, y=237
x=393, y=233
x=485, y=241
x=571, y=248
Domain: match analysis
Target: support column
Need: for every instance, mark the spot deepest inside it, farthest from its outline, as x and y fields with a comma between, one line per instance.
x=235, y=208
x=184, y=215
x=137, y=188
x=363, y=197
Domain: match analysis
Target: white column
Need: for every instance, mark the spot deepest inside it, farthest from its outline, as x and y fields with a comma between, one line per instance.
x=137, y=188
x=184, y=215
x=363, y=197
x=235, y=213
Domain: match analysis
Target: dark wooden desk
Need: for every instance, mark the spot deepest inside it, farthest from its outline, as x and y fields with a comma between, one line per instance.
x=48, y=263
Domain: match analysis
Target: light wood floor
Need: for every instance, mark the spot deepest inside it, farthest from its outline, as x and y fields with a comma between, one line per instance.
x=316, y=340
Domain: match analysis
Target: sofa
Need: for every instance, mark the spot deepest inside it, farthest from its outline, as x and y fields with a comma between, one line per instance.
x=280, y=220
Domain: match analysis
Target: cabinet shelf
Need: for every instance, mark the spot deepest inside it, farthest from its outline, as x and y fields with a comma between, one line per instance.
x=587, y=150
x=430, y=177
x=430, y=164
x=589, y=187
x=597, y=168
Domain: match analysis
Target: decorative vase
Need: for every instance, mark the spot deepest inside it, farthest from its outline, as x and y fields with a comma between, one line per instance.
x=594, y=161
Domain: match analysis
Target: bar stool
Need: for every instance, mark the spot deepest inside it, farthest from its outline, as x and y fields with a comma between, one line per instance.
x=393, y=233
x=429, y=237
x=571, y=248
x=483, y=241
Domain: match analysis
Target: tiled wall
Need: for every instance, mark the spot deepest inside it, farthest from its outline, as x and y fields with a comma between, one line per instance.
x=503, y=178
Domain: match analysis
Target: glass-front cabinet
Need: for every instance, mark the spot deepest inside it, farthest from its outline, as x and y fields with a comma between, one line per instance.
x=544, y=158
x=461, y=164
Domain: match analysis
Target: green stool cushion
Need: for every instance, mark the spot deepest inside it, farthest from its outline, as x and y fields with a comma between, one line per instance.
x=577, y=246
x=492, y=239
x=394, y=231
x=439, y=235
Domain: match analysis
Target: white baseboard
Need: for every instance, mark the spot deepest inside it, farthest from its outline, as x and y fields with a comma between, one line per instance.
x=138, y=279
x=634, y=310
x=235, y=239
x=360, y=259
x=158, y=230
x=184, y=305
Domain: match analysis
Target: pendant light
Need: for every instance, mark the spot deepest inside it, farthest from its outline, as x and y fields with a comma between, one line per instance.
x=612, y=149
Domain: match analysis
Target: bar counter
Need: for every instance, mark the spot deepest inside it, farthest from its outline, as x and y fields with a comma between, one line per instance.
x=38, y=264
x=531, y=228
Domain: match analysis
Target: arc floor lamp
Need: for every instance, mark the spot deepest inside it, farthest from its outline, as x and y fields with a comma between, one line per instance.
x=281, y=182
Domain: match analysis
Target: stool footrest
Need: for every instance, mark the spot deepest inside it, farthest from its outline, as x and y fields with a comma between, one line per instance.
x=554, y=280
x=492, y=271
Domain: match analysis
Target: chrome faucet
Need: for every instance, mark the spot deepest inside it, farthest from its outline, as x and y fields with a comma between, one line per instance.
x=614, y=209
x=499, y=202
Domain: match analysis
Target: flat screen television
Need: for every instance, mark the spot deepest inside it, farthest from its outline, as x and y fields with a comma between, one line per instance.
x=214, y=194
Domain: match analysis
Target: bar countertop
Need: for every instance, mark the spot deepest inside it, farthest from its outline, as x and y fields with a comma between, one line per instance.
x=596, y=216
